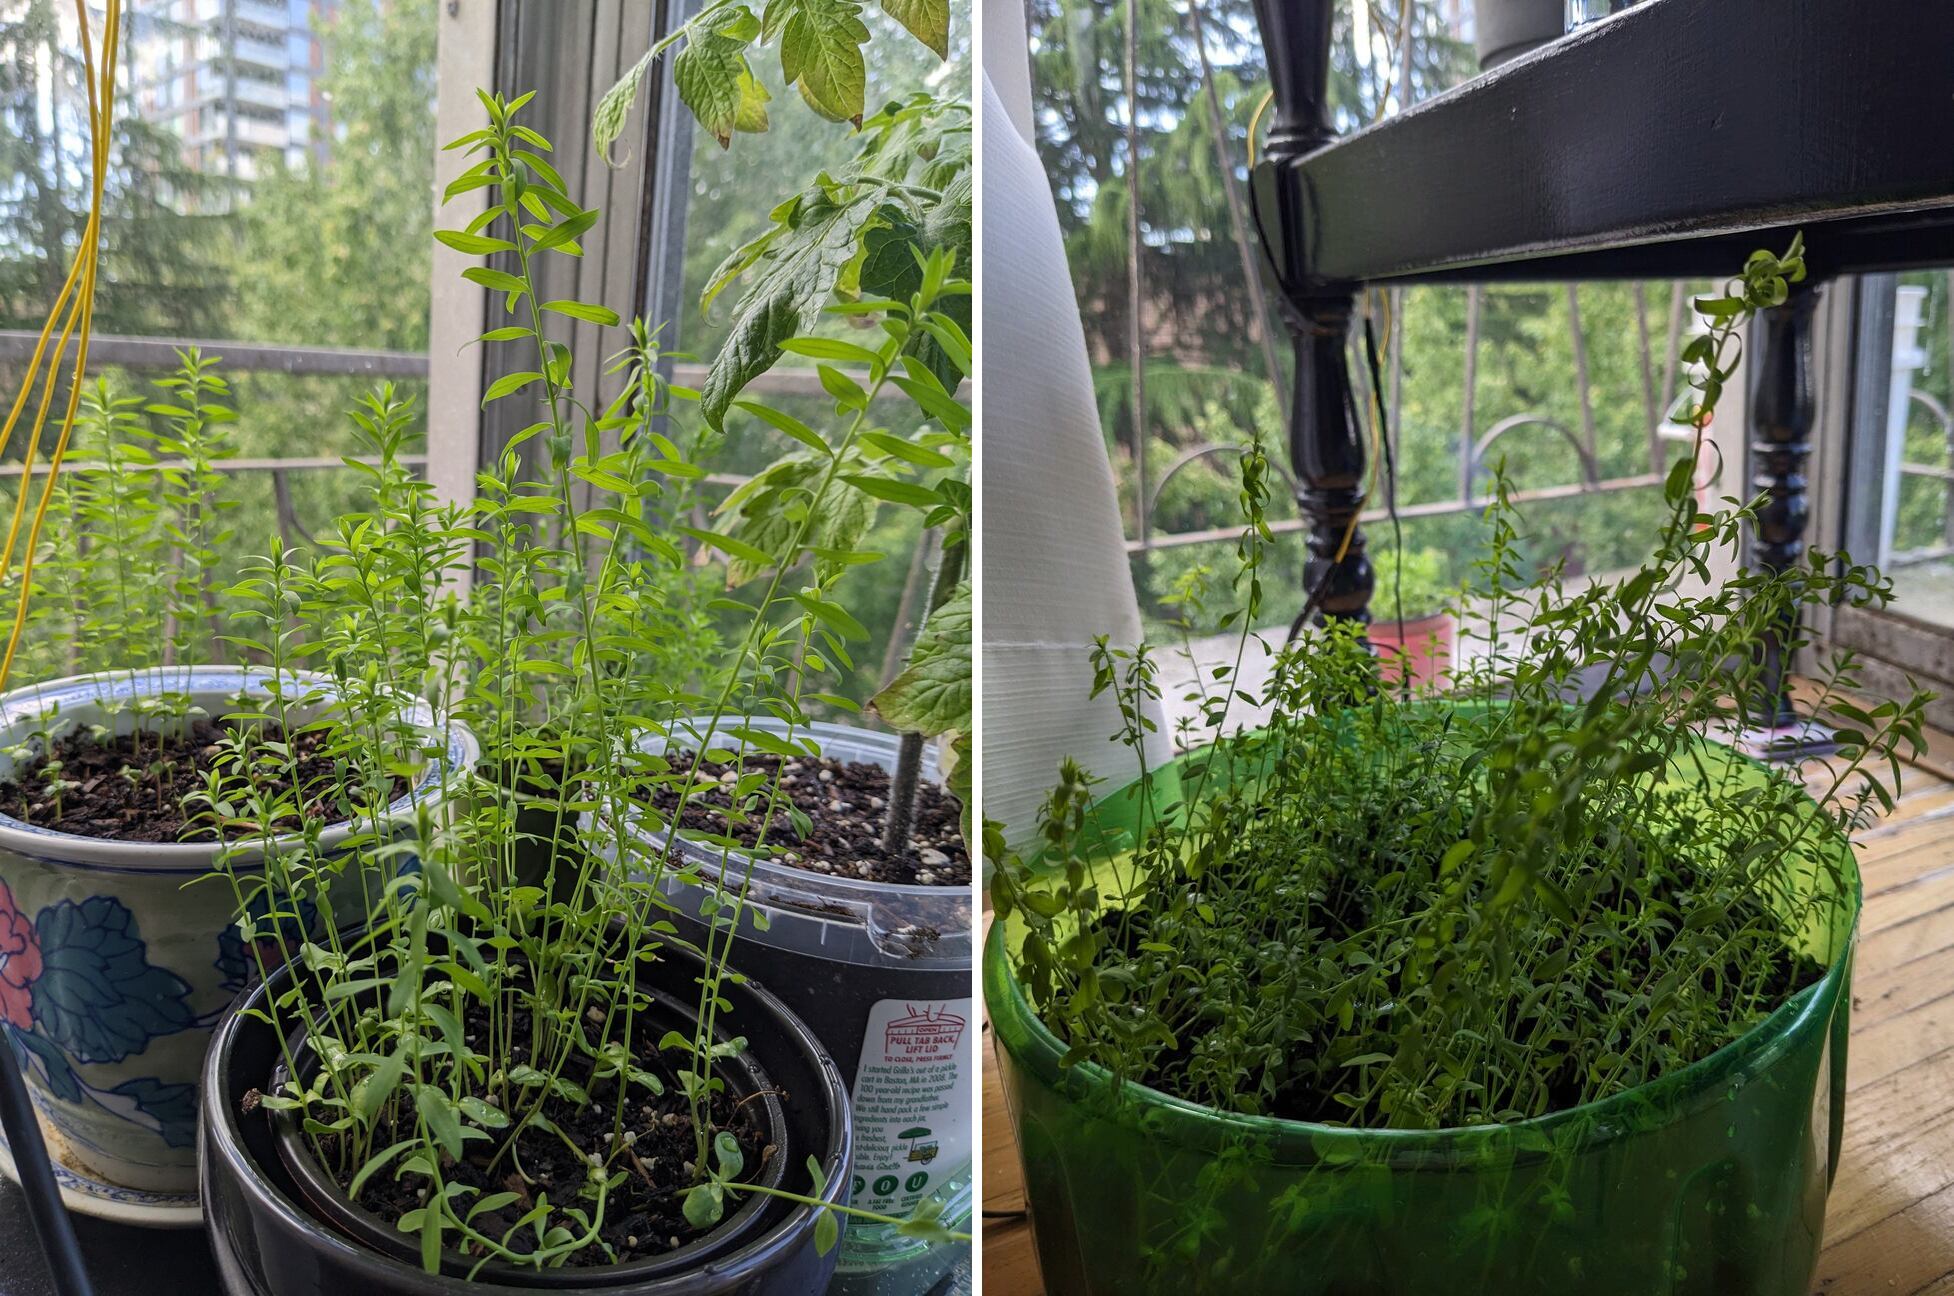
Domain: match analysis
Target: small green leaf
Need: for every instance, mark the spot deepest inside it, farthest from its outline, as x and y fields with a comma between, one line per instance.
x=728, y=545
x=907, y=451
x=494, y=280
x=709, y=74
x=828, y=349
x=827, y=1232
x=582, y=311
x=607, y=123
x=564, y=232
x=927, y=20
x=704, y=1204
x=787, y=423
x=726, y=1150
x=482, y=1114
x=442, y=1120
x=430, y=1240
x=821, y=52
x=379, y=1160
x=847, y=392
x=508, y=384
x=932, y=695
x=473, y=244
x=894, y=490
x=372, y=1092
x=834, y=615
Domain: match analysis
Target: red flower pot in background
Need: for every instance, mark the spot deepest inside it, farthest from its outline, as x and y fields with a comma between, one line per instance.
x=1419, y=649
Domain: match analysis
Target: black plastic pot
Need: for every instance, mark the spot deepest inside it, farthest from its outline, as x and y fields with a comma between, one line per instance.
x=264, y=1234
x=743, y=1077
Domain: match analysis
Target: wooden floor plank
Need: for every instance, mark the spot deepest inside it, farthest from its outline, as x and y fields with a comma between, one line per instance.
x=1890, y=1218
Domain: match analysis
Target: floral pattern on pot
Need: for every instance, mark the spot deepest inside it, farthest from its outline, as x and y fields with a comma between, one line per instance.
x=76, y=983
x=117, y=958
x=20, y=963
x=98, y=996
x=240, y=958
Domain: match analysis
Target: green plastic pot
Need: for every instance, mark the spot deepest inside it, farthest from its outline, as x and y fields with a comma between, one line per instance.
x=1710, y=1180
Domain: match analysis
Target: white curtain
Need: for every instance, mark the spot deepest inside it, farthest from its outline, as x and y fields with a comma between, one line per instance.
x=1055, y=574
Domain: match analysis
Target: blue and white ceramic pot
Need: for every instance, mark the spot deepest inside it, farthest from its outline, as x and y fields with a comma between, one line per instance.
x=113, y=967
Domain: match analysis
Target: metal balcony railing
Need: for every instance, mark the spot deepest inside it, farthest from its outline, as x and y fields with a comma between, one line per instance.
x=1476, y=446
x=272, y=17
x=266, y=94
x=268, y=54
x=160, y=354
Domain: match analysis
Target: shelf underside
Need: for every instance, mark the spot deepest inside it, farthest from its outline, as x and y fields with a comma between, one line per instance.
x=1665, y=142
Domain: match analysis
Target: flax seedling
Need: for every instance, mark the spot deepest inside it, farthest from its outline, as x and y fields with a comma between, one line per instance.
x=53, y=785
x=147, y=531
x=193, y=497
x=486, y=1053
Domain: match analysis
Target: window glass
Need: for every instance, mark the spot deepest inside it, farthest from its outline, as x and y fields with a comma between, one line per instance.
x=230, y=217
x=1568, y=387
x=1916, y=542
x=729, y=197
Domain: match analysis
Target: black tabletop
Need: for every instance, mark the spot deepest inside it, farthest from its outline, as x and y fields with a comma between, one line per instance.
x=122, y=1260
x=126, y=1261
x=1663, y=143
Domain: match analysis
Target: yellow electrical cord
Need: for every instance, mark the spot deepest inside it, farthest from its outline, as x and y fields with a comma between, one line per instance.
x=1384, y=312
x=1255, y=125
x=1376, y=421
x=80, y=313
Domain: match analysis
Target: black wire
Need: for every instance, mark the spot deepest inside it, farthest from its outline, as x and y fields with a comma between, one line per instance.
x=1390, y=479
x=1323, y=582
x=1390, y=491
x=52, y=1227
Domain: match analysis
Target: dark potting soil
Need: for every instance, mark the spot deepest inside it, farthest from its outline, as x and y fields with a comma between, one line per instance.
x=133, y=787
x=1788, y=975
x=644, y=1216
x=845, y=803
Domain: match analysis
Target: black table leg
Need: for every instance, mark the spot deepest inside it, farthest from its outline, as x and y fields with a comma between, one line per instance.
x=1782, y=412
x=1326, y=447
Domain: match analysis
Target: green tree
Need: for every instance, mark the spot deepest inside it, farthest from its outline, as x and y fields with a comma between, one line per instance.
x=162, y=267
x=338, y=252
x=1206, y=382
x=1198, y=313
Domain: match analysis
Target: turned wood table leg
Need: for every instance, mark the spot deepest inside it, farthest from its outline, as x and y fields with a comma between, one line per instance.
x=1782, y=412
x=1326, y=447
x=1326, y=450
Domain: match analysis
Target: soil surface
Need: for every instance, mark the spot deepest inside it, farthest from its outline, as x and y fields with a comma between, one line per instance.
x=845, y=803
x=132, y=787
x=1788, y=974
x=643, y=1216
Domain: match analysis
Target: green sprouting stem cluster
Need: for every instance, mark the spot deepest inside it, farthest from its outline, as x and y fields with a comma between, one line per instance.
x=488, y=984
x=144, y=502
x=130, y=576
x=194, y=499
x=104, y=567
x=1385, y=908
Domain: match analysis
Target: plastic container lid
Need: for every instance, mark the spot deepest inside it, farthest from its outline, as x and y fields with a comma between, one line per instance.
x=849, y=920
